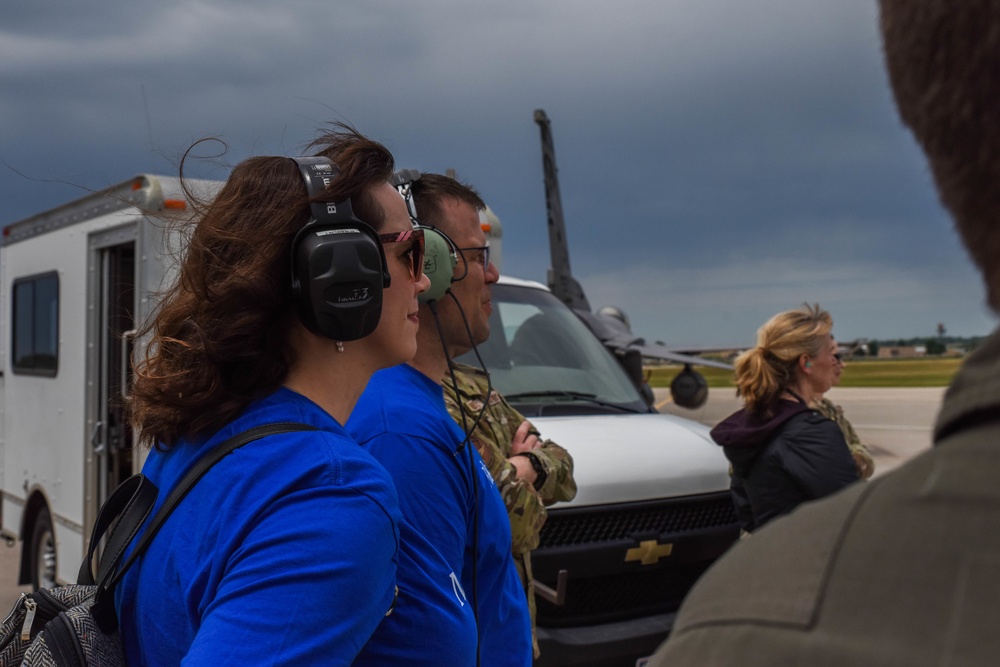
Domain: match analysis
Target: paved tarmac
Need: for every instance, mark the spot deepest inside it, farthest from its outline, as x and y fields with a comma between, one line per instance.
x=896, y=424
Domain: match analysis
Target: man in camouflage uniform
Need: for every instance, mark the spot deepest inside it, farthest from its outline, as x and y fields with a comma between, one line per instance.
x=530, y=473
x=862, y=457
x=503, y=434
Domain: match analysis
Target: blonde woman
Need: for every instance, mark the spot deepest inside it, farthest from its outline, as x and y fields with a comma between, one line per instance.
x=783, y=451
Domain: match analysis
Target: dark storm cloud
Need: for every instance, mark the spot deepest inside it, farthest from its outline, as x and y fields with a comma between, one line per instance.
x=719, y=160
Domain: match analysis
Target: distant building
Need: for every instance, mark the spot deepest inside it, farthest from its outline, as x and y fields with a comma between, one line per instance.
x=901, y=351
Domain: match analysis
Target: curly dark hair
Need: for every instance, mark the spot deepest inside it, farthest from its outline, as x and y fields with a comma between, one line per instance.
x=220, y=338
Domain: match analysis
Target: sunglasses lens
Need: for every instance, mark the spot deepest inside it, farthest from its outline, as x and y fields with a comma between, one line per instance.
x=417, y=256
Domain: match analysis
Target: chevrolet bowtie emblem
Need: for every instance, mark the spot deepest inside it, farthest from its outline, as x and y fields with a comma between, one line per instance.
x=648, y=552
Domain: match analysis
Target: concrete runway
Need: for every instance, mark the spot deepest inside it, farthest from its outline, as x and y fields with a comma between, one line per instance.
x=896, y=424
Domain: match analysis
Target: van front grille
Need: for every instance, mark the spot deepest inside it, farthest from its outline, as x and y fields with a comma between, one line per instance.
x=604, y=584
x=623, y=522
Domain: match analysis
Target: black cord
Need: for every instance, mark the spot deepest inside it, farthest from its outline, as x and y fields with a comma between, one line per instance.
x=432, y=304
x=451, y=371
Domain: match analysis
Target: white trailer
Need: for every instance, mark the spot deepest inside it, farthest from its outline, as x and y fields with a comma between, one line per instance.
x=75, y=281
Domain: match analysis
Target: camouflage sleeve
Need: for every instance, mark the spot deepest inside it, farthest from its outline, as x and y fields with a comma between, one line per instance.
x=492, y=437
x=525, y=509
x=862, y=457
x=558, y=465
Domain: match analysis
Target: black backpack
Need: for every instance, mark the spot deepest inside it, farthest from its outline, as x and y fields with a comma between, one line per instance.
x=77, y=626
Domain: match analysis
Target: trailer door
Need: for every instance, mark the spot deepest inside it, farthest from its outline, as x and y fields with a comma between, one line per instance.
x=112, y=269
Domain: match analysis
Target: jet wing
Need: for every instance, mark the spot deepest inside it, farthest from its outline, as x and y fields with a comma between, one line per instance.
x=660, y=352
x=616, y=334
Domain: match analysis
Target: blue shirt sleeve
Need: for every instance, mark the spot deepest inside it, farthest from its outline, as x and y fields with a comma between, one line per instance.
x=284, y=553
x=432, y=489
x=269, y=603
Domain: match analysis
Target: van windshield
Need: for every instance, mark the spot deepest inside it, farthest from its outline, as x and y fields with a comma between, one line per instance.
x=544, y=360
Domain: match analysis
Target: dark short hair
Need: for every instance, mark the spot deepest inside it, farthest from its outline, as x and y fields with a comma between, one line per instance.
x=431, y=189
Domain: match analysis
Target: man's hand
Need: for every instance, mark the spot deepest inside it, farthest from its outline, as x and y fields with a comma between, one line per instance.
x=524, y=441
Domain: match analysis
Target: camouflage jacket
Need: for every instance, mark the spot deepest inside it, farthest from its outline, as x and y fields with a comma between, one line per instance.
x=492, y=437
x=862, y=457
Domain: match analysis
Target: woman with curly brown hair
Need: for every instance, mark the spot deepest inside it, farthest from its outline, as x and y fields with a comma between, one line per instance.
x=300, y=280
x=783, y=452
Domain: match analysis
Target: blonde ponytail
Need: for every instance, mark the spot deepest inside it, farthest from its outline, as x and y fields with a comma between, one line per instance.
x=767, y=369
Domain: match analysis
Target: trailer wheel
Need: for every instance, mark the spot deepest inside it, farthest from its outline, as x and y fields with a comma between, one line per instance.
x=43, y=553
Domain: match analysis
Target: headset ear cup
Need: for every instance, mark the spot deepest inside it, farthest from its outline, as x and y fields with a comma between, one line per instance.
x=439, y=264
x=338, y=279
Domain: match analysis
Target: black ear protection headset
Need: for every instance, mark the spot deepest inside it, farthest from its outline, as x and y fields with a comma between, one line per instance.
x=338, y=263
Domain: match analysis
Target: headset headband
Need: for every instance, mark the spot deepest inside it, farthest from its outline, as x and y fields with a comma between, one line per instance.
x=318, y=173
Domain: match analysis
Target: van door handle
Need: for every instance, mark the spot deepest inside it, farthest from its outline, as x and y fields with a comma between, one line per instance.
x=95, y=439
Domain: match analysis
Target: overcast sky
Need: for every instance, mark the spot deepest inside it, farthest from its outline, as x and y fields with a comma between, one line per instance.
x=720, y=161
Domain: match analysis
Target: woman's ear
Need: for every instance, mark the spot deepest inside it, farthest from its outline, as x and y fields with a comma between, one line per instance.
x=804, y=364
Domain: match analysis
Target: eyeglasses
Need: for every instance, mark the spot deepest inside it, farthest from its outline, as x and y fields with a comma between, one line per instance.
x=839, y=357
x=482, y=251
x=416, y=251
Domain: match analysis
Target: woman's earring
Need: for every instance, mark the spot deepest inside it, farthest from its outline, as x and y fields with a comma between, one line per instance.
x=340, y=346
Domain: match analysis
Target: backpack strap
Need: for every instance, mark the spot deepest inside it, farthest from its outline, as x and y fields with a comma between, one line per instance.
x=109, y=573
x=133, y=500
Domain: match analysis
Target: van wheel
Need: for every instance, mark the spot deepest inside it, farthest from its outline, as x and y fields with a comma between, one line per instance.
x=43, y=553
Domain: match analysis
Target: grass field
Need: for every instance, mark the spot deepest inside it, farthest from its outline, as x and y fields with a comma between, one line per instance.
x=929, y=372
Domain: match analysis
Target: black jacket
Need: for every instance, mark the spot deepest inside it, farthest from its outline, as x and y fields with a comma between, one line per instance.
x=782, y=461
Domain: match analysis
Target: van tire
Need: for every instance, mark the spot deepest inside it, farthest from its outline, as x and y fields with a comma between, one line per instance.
x=42, y=555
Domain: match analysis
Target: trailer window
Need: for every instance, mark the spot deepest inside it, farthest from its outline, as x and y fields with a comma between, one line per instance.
x=36, y=325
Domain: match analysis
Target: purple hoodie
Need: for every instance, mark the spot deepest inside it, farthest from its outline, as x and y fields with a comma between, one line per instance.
x=742, y=430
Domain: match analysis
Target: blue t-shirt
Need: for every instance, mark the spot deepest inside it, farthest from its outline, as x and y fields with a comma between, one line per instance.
x=402, y=420
x=283, y=553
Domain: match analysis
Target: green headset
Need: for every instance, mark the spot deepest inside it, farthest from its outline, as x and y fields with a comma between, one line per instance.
x=440, y=252
x=440, y=260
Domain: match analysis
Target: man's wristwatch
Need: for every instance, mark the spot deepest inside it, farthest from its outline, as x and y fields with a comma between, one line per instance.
x=540, y=474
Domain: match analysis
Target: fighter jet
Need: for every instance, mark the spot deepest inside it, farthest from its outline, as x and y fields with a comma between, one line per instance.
x=609, y=324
